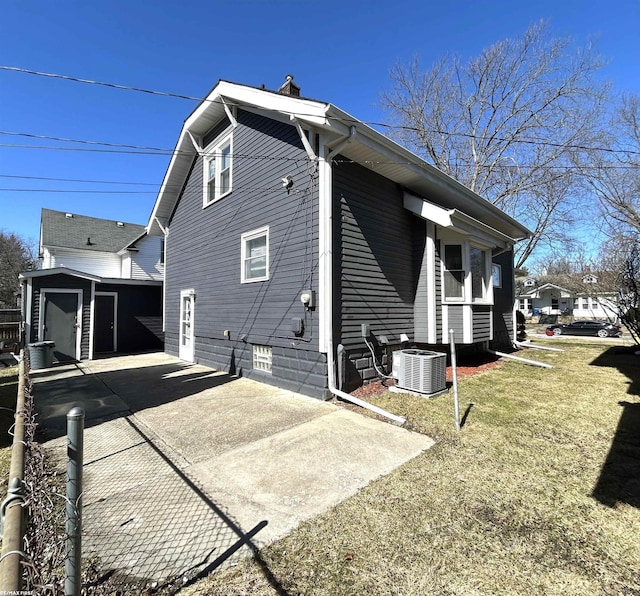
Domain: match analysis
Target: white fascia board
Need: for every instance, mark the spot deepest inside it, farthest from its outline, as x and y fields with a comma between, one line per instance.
x=59, y=270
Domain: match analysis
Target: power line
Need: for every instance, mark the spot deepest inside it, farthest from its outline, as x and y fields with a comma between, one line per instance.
x=540, y=142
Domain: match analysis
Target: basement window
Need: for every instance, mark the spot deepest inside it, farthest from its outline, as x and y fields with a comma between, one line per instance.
x=262, y=357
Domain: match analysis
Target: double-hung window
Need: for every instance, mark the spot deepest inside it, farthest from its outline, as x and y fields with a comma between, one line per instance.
x=478, y=267
x=218, y=171
x=453, y=273
x=255, y=255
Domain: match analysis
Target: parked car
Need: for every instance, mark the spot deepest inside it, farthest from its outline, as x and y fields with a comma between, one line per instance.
x=597, y=328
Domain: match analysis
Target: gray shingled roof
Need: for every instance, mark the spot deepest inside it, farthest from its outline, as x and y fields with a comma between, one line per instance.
x=104, y=235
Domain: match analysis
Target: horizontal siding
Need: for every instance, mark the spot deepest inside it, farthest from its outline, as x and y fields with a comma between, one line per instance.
x=503, y=301
x=203, y=247
x=96, y=263
x=66, y=282
x=145, y=262
x=481, y=320
x=456, y=321
x=377, y=269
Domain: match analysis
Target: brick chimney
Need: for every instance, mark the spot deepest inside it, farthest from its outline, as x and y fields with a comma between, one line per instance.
x=289, y=87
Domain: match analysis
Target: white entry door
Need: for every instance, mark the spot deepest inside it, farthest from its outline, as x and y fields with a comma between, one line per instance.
x=187, y=345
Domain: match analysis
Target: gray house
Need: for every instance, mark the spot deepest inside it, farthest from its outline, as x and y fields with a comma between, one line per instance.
x=99, y=289
x=294, y=232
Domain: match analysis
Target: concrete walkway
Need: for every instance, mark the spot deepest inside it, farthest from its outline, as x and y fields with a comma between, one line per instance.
x=187, y=468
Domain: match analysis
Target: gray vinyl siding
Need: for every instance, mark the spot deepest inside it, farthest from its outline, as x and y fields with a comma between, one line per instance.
x=376, y=274
x=456, y=322
x=503, y=300
x=203, y=252
x=481, y=319
x=62, y=282
x=139, y=316
x=438, y=294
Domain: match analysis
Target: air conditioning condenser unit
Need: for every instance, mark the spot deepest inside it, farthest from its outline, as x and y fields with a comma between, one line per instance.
x=422, y=371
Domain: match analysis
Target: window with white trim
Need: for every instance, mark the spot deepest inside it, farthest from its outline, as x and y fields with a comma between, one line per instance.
x=453, y=272
x=262, y=358
x=478, y=269
x=255, y=255
x=218, y=171
x=496, y=275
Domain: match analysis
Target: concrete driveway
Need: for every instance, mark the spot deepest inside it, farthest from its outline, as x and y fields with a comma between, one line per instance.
x=187, y=468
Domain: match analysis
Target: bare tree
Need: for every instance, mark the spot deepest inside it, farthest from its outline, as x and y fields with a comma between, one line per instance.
x=614, y=176
x=506, y=124
x=16, y=255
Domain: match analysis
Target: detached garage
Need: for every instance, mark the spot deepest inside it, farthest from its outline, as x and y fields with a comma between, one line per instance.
x=87, y=315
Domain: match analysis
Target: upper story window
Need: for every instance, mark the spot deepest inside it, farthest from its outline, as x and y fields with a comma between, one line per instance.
x=218, y=171
x=255, y=255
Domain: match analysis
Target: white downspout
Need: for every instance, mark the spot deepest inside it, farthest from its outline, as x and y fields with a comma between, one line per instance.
x=328, y=294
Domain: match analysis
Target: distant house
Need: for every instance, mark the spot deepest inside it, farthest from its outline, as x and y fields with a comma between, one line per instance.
x=297, y=237
x=580, y=296
x=99, y=289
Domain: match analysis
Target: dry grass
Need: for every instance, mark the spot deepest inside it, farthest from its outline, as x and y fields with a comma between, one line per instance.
x=506, y=506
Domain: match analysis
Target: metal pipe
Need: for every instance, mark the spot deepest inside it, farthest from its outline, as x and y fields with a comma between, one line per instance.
x=14, y=519
x=526, y=344
x=525, y=360
x=454, y=374
x=75, y=448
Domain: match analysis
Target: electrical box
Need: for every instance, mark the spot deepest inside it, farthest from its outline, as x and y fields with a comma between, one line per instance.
x=297, y=326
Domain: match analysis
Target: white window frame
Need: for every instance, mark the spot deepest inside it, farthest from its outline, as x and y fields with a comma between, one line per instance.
x=214, y=152
x=496, y=272
x=486, y=278
x=262, y=358
x=245, y=238
x=445, y=270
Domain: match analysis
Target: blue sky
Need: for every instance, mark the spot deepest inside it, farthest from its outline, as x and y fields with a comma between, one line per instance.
x=339, y=52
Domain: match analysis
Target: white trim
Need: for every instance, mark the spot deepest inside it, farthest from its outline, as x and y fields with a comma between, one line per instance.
x=29, y=310
x=43, y=293
x=432, y=299
x=325, y=256
x=92, y=313
x=305, y=142
x=467, y=324
x=115, y=316
x=445, y=323
x=187, y=353
x=244, y=238
x=214, y=152
x=230, y=111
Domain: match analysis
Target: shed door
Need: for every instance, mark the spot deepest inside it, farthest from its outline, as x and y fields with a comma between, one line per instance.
x=105, y=323
x=61, y=324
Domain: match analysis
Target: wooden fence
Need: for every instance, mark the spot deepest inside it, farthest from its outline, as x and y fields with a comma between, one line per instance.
x=10, y=319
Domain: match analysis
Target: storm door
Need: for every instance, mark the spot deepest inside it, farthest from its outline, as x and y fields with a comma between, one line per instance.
x=186, y=350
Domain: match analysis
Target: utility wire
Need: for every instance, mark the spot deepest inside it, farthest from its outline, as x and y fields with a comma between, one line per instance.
x=542, y=142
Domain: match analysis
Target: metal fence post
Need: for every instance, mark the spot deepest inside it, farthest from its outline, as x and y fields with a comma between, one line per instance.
x=73, y=559
x=454, y=376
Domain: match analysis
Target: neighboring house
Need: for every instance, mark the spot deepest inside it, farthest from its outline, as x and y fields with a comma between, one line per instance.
x=99, y=289
x=294, y=232
x=580, y=296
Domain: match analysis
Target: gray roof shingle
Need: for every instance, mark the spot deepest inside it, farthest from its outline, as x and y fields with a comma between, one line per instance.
x=87, y=233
